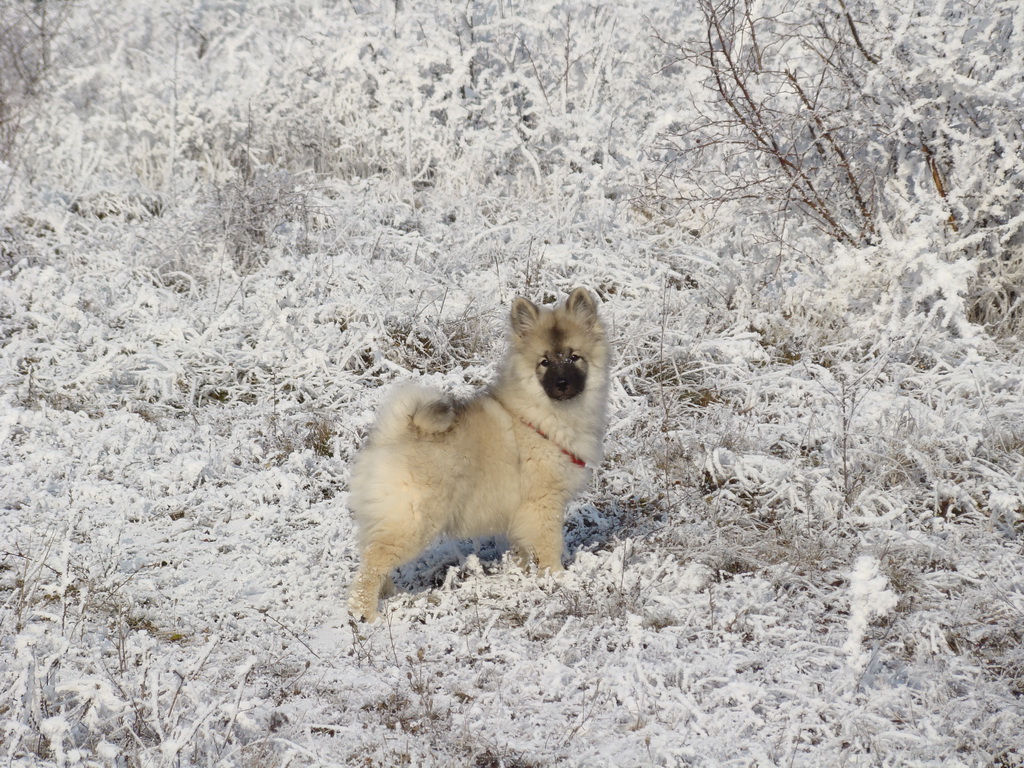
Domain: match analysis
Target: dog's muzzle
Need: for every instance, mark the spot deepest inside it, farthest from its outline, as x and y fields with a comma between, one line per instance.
x=562, y=381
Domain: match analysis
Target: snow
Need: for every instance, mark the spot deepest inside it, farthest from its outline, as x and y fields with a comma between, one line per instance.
x=226, y=228
x=870, y=598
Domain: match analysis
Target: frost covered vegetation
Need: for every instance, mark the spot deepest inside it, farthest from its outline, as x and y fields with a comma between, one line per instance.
x=226, y=226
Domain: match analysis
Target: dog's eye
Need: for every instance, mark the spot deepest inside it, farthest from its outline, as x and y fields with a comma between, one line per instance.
x=575, y=358
x=544, y=362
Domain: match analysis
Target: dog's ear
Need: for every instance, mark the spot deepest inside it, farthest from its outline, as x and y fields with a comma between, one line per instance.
x=524, y=316
x=581, y=304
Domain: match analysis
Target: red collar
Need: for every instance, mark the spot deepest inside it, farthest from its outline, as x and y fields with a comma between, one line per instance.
x=572, y=456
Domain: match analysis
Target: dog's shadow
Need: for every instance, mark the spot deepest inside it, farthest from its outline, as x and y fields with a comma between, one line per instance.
x=587, y=529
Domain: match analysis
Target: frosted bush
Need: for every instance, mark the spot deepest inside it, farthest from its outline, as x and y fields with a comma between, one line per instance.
x=860, y=125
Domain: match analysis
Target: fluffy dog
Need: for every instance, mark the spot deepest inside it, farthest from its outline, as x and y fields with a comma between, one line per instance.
x=505, y=461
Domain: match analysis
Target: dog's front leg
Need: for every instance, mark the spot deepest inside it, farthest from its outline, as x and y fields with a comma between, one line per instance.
x=537, y=536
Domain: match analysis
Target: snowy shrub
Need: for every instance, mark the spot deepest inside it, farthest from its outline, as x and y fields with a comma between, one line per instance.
x=875, y=125
x=32, y=48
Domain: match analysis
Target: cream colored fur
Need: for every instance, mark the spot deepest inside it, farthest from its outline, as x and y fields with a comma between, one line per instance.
x=434, y=466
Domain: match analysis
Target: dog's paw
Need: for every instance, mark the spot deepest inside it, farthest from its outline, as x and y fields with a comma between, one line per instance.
x=363, y=614
x=362, y=603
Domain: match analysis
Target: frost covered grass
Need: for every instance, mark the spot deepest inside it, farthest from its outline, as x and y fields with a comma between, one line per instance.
x=225, y=228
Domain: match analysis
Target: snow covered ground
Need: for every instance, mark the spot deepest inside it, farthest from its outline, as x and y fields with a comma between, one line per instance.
x=226, y=227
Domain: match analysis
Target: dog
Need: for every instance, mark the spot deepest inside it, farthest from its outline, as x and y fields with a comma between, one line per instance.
x=506, y=461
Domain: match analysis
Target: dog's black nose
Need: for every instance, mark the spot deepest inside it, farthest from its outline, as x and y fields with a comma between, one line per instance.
x=562, y=381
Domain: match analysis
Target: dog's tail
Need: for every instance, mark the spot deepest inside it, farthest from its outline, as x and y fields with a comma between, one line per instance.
x=415, y=406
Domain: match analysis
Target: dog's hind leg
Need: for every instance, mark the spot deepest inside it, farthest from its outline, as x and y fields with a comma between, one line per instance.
x=373, y=579
x=401, y=533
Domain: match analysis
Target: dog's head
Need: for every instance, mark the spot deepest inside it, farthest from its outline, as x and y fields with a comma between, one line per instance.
x=561, y=343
